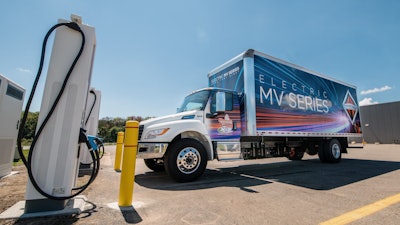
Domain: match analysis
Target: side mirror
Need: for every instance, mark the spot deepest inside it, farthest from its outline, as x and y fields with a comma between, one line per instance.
x=220, y=102
x=211, y=115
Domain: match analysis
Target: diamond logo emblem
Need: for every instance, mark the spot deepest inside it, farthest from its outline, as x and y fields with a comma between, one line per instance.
x=350, y=107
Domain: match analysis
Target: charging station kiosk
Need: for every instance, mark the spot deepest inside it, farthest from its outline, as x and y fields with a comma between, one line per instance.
x=11, y=101
x=91, y=122
x=55, y=158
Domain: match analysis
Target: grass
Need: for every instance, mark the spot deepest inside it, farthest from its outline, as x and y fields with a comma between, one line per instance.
x=19, y=161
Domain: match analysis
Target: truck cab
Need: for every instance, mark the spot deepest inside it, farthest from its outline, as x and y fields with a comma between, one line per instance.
x=183, y=142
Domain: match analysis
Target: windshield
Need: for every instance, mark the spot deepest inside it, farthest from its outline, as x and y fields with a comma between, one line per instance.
x=195, y=101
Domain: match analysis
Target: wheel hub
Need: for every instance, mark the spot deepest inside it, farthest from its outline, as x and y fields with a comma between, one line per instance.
x=188, y=160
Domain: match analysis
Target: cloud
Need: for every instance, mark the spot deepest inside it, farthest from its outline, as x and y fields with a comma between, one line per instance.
x=376, y=90
x=22, y=70
x=367, y=101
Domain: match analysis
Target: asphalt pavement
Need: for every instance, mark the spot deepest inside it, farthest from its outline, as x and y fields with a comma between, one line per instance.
x=267, y=191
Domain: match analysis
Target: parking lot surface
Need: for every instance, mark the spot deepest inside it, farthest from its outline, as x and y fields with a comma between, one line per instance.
x=267, y=191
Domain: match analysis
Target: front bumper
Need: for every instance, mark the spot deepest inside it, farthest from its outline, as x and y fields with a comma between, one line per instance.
x=151, y=150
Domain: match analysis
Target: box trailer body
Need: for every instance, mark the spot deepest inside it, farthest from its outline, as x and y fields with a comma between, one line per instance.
x=256, y=106
x=282, y=99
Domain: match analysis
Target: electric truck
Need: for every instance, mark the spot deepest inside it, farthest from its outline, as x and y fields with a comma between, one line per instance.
x=255, y=106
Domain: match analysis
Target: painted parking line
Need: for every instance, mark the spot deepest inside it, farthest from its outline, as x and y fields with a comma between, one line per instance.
x=363, y=211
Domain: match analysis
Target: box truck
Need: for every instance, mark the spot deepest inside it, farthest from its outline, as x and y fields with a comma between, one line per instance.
x=255, y=106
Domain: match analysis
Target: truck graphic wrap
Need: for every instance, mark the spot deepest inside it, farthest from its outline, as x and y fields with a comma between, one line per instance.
x=291, y=101
x=230, y=78
x=226, y=126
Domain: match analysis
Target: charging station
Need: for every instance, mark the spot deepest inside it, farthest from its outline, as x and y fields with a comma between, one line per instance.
x=91, y=123
x=11, y=101
x=54, y=161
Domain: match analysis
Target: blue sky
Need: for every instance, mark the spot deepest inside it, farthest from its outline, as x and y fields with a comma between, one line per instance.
x=150, y=54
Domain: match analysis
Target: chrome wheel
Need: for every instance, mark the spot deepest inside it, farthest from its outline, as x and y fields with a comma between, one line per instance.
x=185, y=160
x=336, y=152
x=188, y=160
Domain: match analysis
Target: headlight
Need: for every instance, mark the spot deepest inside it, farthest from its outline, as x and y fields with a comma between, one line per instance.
x=154, y=133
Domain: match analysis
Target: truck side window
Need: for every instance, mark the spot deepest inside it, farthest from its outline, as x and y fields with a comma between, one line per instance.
x=228, y=102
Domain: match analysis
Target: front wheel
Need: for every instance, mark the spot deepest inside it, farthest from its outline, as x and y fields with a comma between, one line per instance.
x=154, y=164
x=185, y=160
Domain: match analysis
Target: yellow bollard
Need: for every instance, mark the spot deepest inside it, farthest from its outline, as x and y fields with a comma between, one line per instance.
x=128, y=164
x=118, y=151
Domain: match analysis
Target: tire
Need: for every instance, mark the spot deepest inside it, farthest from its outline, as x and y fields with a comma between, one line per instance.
x=333, y=151
x=321, y=152
x=312, y=149
x=185, y=160
x=295, y=154
x=154, y=165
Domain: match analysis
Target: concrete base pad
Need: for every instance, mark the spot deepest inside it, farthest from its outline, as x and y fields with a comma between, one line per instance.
x=74, y=206
x=135, y=205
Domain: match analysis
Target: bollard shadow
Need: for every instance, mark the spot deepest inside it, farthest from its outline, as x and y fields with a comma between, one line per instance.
x=130, y=215
x=310, y=174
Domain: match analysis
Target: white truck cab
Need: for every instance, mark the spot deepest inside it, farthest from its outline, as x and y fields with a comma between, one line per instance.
x=188, y=134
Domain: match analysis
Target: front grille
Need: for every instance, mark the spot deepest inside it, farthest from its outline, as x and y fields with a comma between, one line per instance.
x=141, y=128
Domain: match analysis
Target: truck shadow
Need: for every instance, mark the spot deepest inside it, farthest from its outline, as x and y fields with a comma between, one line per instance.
x=307, y=173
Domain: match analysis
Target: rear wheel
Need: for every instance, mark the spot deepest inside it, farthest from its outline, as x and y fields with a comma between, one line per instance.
x=331, y=151
x=321, y=152
x=185, y=160
x=155, y=164
x=312, y=149
x=295, y=154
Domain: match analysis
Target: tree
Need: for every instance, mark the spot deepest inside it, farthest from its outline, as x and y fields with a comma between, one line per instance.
x=108, y=127
x=30, y=125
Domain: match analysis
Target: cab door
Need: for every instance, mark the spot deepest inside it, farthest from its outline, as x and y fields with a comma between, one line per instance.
x=223, y=122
